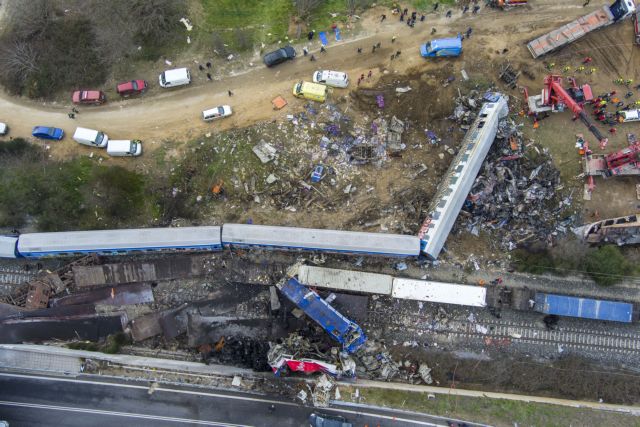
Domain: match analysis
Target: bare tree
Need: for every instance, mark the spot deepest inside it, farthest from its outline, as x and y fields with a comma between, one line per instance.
x=154, y=18
x=305, y=7
x=30, y=18
x=19, y=57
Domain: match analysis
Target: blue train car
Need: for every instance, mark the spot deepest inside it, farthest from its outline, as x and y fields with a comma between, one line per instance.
x=343, y=330
x=585, y=308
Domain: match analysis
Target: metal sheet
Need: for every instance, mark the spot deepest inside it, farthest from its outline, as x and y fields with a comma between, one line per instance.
x=8, y=246
x=115, y=295
x=345, y=280
x=437, y=292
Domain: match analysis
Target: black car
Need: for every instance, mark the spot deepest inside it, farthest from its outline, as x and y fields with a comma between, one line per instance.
x=324, y=420
x=278, y=56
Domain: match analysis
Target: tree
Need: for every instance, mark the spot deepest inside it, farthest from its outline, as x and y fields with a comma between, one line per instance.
x=305, y=7
x=607, y=265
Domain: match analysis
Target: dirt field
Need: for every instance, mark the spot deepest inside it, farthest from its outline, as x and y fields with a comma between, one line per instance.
x=167, y=119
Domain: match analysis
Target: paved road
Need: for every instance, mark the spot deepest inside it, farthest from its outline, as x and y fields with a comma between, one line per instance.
x=45, y=401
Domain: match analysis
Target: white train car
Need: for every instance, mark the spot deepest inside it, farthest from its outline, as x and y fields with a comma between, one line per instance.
x=438, y=292
x=8, y=247
x=345, y=280
x=115, y=242
x=291, y=238
x=457, y=182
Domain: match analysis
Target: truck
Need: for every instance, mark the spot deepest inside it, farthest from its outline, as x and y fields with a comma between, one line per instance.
x=568, y=33
x=341, y=329
x=442, y=48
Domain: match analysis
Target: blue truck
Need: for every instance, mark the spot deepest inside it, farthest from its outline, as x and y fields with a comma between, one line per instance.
x=341, y=329
x=585, y=308
x=442, y=47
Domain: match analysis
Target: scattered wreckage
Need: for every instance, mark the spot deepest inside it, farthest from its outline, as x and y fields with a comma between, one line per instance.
x=620, y=231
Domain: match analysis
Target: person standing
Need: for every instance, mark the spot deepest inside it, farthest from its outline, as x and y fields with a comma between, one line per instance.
x=230, y=93
x=310, y=35
x=383, y=17
x=369, y=75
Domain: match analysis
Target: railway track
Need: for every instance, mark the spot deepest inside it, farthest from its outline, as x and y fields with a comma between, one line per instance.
x=12, y=275
x=505, y=332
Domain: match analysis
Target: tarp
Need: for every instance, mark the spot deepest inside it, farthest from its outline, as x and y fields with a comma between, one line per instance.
x=323, y=38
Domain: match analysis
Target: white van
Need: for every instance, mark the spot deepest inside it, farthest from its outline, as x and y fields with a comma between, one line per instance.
x=216, y=113
x=124, y=148
x=90, y=137
x=630, y=115
x=175, y=77
x=331, y=78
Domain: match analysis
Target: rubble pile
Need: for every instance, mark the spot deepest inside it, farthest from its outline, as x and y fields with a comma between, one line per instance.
x=516, y=194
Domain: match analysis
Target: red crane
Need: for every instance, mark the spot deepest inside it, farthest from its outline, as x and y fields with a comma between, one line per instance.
x=555, y=98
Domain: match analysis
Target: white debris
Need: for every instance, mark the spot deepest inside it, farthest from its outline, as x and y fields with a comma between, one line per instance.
x=425, y=373
x=187, y=24
x=481, y=329
x=302, y=395
x=271, y=179
x=166, y=61
x=403, y=89
x=237, y=381
x=265, y=151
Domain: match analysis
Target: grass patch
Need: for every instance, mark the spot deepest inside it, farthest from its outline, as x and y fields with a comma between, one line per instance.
x=111, y=345
x=75, y=194
x=491, y=411
x=236, y=21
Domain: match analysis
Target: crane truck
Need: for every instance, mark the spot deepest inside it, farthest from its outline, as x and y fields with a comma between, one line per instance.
x=605, y=16
x=555, y=98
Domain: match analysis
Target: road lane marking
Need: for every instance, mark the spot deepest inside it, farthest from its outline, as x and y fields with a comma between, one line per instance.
x=119, y=414
x=222, y=396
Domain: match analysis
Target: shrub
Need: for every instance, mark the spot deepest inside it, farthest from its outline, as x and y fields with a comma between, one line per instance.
x=607, y=265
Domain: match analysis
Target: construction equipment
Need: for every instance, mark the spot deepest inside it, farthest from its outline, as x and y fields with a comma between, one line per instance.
x=636, y=27
x=621, y=163
x=576, y=29
x=341, y=329
x=555, y=98
x=507, y=4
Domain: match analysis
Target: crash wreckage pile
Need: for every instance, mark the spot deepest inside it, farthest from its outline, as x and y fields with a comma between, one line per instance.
x=516, y=195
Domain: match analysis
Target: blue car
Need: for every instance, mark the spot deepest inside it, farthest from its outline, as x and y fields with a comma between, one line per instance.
x=46, y=132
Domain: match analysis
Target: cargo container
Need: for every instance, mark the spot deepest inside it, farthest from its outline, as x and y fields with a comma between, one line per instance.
x=437, y=292
x=585, y=308
x=345, y=280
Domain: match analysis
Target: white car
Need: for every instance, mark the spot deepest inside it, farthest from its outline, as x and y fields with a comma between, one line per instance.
x=216, y=113
x=4, y=128
x=331, y=78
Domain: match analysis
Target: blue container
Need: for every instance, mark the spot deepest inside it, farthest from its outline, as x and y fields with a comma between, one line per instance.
x=585, y=308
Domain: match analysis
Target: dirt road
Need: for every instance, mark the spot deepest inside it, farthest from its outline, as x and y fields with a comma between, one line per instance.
x=175, y=114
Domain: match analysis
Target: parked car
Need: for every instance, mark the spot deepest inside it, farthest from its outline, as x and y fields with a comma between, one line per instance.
x=279, y=56
x=95, y=97
x=325, y=420
x=216, y=113
x=442, y=47
x=46, y=132
x=4, y=129
x=331, y=78
x=133, y=87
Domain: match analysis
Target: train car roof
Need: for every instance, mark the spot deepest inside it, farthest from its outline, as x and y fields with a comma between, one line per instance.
x=68, y=241
x=8, y=246
x=443, y=293
x=313, y=238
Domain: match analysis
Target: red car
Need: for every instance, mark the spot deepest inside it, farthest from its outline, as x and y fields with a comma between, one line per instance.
x=133, y=87
x=96, y=97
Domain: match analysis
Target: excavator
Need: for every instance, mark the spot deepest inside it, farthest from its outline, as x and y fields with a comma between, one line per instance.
x=555, y=98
